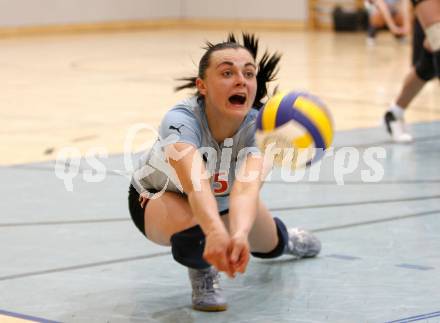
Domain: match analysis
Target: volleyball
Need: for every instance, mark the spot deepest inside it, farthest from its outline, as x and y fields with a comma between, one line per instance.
x=295, y=127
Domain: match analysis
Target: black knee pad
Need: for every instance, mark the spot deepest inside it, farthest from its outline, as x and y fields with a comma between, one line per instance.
x=283, y=239
x=187, y=248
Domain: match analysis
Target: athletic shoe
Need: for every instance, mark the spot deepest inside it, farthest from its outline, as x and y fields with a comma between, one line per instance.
x=371, y=36
x=370, y=41
x=302, y=243
x=396, y=128
x=206, y=293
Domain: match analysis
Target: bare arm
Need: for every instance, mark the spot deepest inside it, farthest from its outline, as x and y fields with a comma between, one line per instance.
x=244, y=196
x=407, y=16
x=190, y=169
x=385, y=11
x=243, y=209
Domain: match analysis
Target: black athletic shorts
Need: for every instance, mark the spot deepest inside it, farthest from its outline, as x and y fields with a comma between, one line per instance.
x=137, y=212
x=422, y=59
x=417, y=42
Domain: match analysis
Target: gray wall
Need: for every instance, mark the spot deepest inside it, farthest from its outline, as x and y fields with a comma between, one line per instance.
x=17, y=13
x=295, y=10
x=48, y=12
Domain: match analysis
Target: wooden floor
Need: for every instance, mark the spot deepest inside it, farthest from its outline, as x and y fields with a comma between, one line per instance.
x=87, y=90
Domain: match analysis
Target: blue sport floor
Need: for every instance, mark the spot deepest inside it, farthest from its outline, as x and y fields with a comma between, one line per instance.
x=76, y=256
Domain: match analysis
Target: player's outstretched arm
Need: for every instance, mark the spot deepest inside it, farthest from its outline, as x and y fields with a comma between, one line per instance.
x=243, y=209
x=191, y=171
x=385, y=11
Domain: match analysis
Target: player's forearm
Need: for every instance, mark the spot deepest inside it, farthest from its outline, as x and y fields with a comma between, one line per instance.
x=244, y=196
x=205, y=211
x=190, y=171
x=407, y=15
x=384, y=10
x=243, y=209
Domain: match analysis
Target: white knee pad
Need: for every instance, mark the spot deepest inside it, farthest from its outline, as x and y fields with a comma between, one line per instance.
x=433, y=36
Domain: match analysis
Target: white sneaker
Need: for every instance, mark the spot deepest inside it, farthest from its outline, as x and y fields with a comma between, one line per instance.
x=370, y=41
x=302, y=243
x=206, y=293
x=396, y=128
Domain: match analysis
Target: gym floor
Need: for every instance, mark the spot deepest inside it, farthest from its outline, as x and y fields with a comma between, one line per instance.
x=71, y=254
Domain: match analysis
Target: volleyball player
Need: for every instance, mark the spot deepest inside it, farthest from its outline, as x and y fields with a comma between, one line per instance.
x=214, y=222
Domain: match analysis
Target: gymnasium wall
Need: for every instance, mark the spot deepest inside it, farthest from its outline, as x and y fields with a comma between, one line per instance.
x=295, y=10
x=15, y=13
x=28, y=13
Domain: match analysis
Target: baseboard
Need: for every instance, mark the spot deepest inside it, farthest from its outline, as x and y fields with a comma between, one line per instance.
x=278, y=25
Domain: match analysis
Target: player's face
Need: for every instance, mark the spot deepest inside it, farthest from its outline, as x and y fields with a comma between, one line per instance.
x=230, y=83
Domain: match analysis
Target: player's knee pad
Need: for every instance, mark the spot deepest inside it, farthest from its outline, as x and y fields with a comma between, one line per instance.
x=187, y=248
x=283, y=239
x=433, y=36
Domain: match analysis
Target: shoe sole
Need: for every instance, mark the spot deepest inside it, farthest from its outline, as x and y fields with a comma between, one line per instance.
x=213, y=308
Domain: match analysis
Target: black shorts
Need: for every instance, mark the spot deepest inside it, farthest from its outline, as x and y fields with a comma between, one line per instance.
x=417, y=42
x=422, y=59
x=137, y=212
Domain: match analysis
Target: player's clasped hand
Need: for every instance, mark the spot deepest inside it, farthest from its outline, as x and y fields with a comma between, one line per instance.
x=216, y=250
x=239, y=253
x=230, y=255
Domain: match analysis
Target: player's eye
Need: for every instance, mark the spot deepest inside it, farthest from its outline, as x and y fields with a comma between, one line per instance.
x=249, y=74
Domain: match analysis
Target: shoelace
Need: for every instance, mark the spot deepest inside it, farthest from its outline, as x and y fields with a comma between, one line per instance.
x=208, y=282
x=299, y=244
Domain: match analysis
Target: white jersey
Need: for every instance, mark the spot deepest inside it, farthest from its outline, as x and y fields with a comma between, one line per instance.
x=186, y=122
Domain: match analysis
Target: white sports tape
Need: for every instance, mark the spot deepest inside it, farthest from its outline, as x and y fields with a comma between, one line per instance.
x=433, y=36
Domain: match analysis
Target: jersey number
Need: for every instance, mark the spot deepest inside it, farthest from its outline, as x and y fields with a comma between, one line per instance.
x=220, y=185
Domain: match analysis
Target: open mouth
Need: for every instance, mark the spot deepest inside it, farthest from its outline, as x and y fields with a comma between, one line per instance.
x=237, y=99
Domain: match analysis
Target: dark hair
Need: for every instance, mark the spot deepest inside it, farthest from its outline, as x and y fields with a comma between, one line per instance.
x=267, y=65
